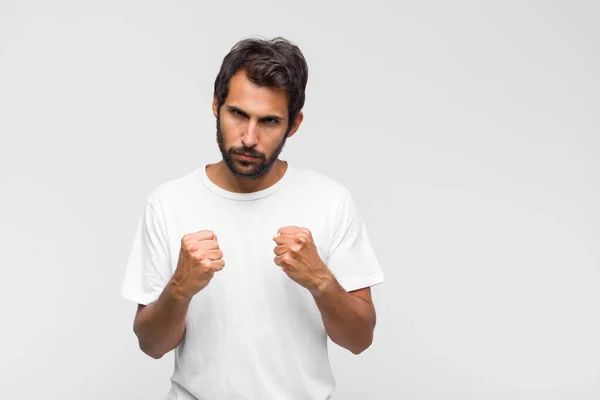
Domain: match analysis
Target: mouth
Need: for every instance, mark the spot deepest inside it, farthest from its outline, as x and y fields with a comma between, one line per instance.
x=245, y=157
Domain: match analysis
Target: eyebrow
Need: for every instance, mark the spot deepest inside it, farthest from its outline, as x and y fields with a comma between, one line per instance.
x=234, y=108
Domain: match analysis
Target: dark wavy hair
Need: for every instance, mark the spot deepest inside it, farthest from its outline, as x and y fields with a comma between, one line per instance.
x=274, y=63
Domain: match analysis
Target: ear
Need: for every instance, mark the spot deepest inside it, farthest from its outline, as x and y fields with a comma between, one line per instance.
x=296, y=124
x=215, y=103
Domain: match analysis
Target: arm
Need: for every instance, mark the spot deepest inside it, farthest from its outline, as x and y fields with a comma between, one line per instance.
x=160, y=326
x=349, y=317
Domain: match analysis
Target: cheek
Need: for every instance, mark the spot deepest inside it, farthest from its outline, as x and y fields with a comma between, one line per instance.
x=230, y=130
x=227, y=123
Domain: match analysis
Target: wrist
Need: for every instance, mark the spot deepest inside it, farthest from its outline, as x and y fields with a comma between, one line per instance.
x=176, y=291
x=324, y=283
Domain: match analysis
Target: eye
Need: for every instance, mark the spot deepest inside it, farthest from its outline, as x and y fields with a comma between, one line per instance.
x=270, y=121
x=238, y=113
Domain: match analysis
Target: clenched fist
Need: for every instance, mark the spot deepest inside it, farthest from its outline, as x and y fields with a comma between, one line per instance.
x=297, y=255
x=199, y=258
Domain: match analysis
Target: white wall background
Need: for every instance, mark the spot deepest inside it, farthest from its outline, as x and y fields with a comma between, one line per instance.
x=467, y=131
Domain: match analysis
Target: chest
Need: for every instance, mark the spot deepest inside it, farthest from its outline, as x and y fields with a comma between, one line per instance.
x=245, y=230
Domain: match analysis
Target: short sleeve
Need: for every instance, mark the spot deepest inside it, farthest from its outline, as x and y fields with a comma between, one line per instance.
x=351, y=257
x=148, y=268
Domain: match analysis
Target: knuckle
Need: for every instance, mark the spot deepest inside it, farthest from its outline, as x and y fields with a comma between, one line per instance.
x=206, y=263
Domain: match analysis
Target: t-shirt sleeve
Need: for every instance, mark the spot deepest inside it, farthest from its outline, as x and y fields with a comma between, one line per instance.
x=148, y=269
x=351, y=257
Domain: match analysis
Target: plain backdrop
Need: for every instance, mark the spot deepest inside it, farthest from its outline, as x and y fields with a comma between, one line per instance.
x=467, y=131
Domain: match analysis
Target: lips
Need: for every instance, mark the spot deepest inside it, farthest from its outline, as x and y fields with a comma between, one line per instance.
x=245, y=155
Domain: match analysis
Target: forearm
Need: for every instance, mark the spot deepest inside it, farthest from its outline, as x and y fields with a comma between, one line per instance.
x=160, y=326
x=349, y=320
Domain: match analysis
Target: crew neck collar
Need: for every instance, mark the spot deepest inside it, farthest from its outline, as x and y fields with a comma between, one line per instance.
x=244, y=196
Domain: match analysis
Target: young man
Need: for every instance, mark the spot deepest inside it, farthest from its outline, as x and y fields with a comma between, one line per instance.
x=245, y=266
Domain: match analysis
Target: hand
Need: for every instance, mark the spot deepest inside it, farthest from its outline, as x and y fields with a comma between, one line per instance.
x=296, y=254
x=199, y=258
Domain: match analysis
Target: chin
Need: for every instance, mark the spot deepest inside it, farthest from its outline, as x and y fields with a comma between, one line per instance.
x=245, y=170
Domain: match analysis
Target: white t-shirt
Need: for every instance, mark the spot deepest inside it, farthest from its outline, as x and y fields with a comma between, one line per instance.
x=252, y=333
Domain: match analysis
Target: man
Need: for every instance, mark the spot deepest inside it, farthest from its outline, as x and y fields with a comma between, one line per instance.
x=245, y=266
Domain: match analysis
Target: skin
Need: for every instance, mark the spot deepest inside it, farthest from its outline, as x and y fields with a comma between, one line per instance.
x=253, y=120
x=349, y=317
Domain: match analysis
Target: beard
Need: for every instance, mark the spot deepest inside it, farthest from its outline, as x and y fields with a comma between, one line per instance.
x=247, y=169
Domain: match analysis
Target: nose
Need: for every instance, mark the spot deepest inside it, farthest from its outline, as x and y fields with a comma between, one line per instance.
x=250, y=138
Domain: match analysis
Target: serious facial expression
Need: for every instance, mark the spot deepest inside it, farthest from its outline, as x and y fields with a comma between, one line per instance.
x=252, y=121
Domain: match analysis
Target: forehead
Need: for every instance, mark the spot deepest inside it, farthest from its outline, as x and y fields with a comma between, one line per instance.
x=255, y=99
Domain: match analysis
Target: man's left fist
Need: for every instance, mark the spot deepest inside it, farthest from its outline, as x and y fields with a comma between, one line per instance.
x=296, y=254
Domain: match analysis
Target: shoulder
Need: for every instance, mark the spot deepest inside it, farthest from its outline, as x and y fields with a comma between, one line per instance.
x=317, y=182
x=336, y=195
x=171, y=190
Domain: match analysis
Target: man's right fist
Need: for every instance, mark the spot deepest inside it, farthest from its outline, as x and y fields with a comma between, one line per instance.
x=199, y=258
